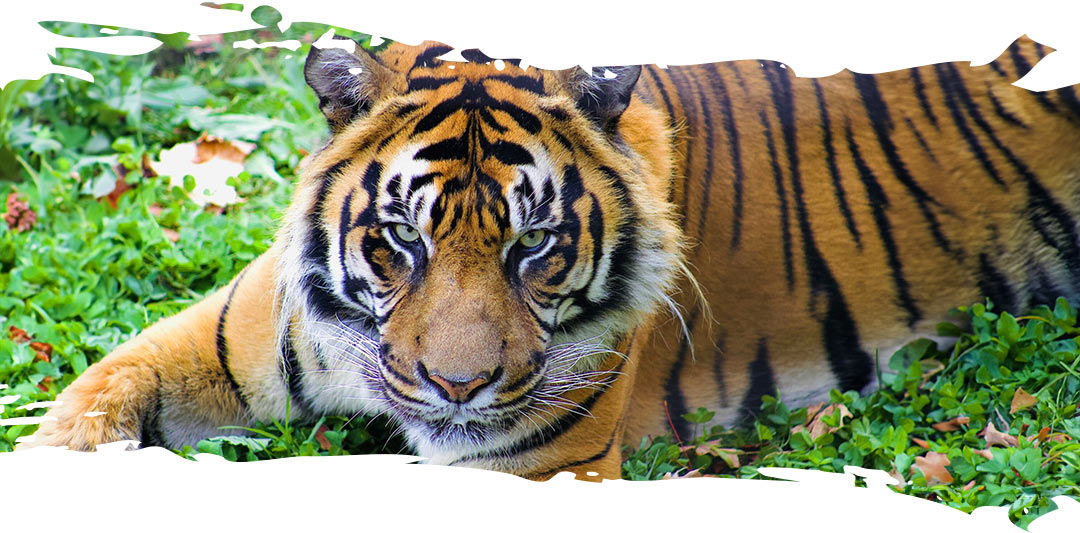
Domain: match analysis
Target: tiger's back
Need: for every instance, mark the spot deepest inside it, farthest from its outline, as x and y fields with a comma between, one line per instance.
x=831, y=219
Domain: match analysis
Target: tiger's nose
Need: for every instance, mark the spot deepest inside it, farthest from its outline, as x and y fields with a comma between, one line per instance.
x=456, y=388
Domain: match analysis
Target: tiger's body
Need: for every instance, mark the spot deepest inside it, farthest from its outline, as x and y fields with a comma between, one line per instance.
x=488, y=255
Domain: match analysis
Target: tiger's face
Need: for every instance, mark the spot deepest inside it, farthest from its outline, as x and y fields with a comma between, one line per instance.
x=469, y=247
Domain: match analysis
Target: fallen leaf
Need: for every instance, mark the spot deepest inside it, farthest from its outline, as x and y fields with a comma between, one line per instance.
x=324, y=442
x=120, y=187
x=920, y=442
x=951, y=425
x=1058, y=437
x=42, y=350
x=19, y=216
x=1021, y=400
x=18, y=335
x=985, y=453
x=171, y=234
x=933, y=468
x=813, y=410
x=898, y=477
x=155, y=209
x=993, y=436
x=1043, y=433
x=969, y=486
x=44, y=385
x=818, y=427
x=208, y=147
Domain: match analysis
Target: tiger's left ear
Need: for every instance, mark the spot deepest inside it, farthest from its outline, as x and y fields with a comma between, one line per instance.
x=346, y=83
x=603, y=97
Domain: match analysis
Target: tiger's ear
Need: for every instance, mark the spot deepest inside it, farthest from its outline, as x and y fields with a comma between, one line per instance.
x=601, y=96
x=346, y=83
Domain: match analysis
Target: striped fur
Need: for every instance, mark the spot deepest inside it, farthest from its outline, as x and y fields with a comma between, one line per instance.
x=823, y=219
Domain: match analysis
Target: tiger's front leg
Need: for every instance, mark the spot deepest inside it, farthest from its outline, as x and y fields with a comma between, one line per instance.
x=178, y=381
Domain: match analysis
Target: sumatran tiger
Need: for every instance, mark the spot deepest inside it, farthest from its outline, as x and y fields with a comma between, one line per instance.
x=503, y=260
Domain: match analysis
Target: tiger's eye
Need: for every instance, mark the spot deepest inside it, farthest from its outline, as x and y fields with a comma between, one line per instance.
x=533, y=238
x=406, y=233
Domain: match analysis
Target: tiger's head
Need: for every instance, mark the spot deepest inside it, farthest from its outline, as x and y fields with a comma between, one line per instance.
x=474, y=239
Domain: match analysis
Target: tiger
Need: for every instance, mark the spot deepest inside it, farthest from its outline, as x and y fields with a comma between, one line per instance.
x=529, y=270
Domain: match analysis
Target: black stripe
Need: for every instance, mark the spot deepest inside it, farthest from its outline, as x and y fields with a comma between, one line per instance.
x=993, y=285
x=595, y=457
x=508, y=153
x=1067, y=95
x=878, y=113
x=1022, y=68
x=290, y=373
x=652, y=70
x=681, y=84
x=921, y=140
x=706, y=116
x=849, y=363
x=525, y=83
x=223, y=343
x=778, y=181
x=834, y=170
x=734, y=150
x=426, y=59
x=762, y=382
x=150, y=433
x=1000, y=109
x=674, y=401
x=528, y=121
x=452, y=149
x=427, y=83
x=951, y=87
x=920, y=93
x=878, y=201
x=997, y=68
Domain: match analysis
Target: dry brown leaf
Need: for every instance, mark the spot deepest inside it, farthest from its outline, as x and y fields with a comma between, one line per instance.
x=813, y=410
x=171, y=234
x=993, y=436
x=933, y=468
x=324, y=442
x=18, y=335
x=1058, y=437
x=208, y=147
x=818, y=427
x=1043, y=433
x=42, y=350
x=985, y=453
x=970, y=485
x=897, y=476
x=120, y=187
x=951, y=425
x=920, y=442
x=155, y=209
x=19, y=216
x=43, y=386
x=1021, y=400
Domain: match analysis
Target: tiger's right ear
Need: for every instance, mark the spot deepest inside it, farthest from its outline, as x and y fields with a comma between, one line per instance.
x=346, y=83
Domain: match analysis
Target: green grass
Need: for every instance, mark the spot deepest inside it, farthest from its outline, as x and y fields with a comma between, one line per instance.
x=89, y=276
